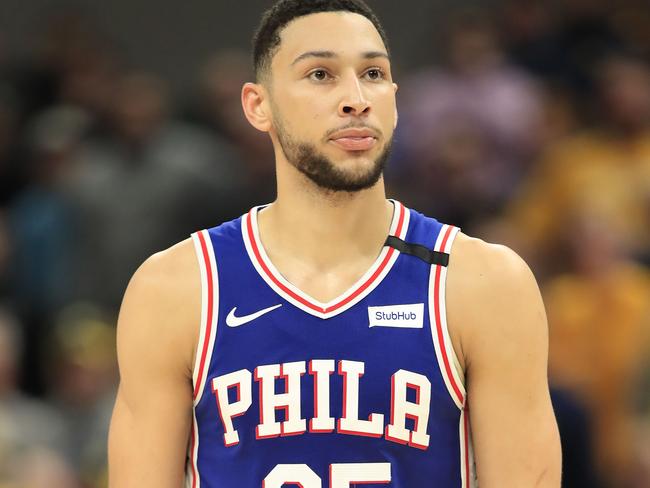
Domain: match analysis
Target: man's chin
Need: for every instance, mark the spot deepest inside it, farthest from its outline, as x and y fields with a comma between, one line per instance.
x=354, y=163
x=347, y=180
x=334, y=169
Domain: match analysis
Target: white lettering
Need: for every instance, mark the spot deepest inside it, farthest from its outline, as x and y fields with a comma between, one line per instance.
x=401, y=409
x=350, y=422
x=321, y=369
x=289, y=400
x=242, y=381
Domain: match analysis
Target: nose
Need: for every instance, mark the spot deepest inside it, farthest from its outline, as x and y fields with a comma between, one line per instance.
x=353, y=101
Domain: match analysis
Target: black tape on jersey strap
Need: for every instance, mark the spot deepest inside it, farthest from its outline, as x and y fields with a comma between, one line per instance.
x=419, y=251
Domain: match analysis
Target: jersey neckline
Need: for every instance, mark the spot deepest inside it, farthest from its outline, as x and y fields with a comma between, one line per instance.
x=291, y=293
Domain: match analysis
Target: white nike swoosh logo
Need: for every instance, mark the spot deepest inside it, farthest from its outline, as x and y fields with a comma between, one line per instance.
x=232, y=321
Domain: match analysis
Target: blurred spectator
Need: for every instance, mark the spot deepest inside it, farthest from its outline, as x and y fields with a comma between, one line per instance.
x=603, y=171
x=559, y=118
x=531, y=34
x=220, y=81
x=42, y=233
x=600, y=336
x=40, y=219
x=141, y=185
x=219, y=109
x=560, y=42
x=469, y=129
x=82, y=385
x=586, y=35
x=41, y=468
x=576, y=435
x=24, y=422
x=72, y=61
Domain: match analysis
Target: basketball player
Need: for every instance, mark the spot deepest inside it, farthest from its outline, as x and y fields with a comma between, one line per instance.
x=334, y=337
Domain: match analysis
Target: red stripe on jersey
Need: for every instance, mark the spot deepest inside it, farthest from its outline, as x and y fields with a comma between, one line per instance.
x=303, y=300
x=377, y=272
x=445, y=238
x=441, y=341
x=208, y=325
x=267, y=271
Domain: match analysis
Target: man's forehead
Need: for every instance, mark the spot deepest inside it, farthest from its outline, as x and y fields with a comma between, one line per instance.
x=335, y=32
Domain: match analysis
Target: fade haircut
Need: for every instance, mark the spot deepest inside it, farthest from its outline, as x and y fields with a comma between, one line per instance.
x=267, y=37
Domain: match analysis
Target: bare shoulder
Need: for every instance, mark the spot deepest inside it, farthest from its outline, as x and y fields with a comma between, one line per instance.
x=482, y=265
x=169, y=271
x=491, y=294
x=162, y=305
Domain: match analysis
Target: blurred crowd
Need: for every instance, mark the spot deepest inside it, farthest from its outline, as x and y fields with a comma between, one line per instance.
x=530, y=128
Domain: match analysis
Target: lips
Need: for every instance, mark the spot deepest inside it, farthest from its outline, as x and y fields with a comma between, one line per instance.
x=355, y=139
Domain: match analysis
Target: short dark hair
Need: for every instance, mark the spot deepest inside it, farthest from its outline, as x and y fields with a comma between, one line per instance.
x=276, y=18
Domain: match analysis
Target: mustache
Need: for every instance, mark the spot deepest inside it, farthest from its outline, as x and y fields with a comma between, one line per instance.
x=354, y=125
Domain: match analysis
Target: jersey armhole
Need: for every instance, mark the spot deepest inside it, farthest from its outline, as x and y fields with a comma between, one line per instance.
x=448, y=362
x=209, y=311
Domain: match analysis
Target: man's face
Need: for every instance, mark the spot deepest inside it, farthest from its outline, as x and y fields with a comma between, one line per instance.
x=333, y=100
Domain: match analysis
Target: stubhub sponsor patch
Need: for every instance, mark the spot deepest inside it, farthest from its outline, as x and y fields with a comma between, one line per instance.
x=402, y=316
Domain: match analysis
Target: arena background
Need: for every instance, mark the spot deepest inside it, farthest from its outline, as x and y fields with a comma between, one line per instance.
x=177, y=38
x=526, y=123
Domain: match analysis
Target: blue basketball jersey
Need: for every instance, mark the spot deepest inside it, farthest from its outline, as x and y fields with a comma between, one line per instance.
x=362, y=390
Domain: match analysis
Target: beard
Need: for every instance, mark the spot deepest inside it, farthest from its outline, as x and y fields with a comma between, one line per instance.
x=322, y=171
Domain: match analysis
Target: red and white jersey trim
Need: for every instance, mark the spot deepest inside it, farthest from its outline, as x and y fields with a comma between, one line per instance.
x=295, y=296
x=209, y=310
x=192, y=476
x=448, y=363
x=447, y=359
x=205, y=344
x=467, y=465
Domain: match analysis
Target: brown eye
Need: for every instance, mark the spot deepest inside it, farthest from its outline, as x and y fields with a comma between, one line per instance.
x=375, y=74
x=319, y=75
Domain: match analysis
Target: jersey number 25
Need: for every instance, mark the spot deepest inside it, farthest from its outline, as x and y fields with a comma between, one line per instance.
x=341, y=475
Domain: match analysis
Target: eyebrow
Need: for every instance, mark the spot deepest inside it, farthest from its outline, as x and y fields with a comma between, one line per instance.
x=332, y=54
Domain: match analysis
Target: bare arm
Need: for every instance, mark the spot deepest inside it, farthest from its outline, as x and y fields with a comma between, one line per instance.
x=156, y=333
x=498, y=318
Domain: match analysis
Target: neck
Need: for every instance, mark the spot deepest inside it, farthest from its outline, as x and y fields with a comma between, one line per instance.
x=324, y=230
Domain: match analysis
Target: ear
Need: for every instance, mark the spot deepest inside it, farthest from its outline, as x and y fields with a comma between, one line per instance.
x=395, y=87
x=256, y=108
